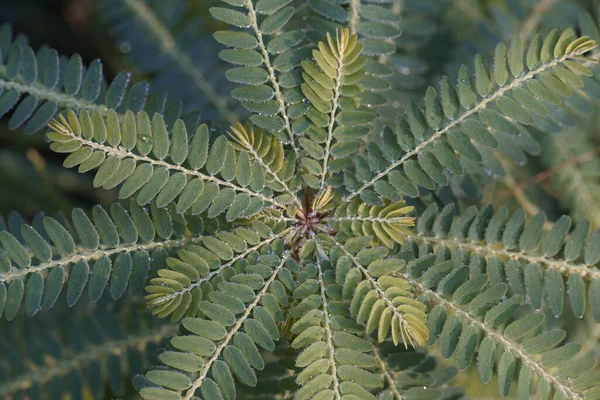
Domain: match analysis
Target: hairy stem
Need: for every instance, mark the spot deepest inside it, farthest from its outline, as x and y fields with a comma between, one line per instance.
x=45, y=94
x=382, y=365
x=562, y=266
x=334, y=108
x=90, y=255
x=276, y=178
x=328, y=335
x=272, y=78
x=354, y=18
x=382, y=220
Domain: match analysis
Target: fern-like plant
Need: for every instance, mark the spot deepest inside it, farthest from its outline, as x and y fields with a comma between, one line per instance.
x=319, y=245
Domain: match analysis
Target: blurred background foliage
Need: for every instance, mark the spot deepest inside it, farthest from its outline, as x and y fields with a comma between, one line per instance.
x=443, y=33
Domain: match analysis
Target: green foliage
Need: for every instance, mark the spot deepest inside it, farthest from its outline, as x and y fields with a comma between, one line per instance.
x=269, y=69
x=485, y=110
x=243, y=308
x=386, y=303
x=455, y=326
x=40, y=84
x=331, y=85
x=94, y=353
x=179, y=289
x=311, y=252
x=102, y=249
x=387, y=224
x=203, y=181
x=510, y=250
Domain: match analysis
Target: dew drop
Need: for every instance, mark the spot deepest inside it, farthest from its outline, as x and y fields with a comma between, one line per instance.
x=146, y=139
x=125, y=47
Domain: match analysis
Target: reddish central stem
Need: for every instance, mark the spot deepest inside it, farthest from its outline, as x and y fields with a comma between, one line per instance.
x=308, y=221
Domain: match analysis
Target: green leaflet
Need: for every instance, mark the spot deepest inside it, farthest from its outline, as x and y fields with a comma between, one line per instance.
x=177, y=291
x=259, y=35
x=235, y=343
x=463, y=334
x=445, y=114
x=529, y=272
x=231, y=17
x=77, y=281
x=65, y=85
x=373, y=302
x=102, y=249
x=33, y=293
x=387, y=225
x=329, y=84
x=149, y=176
x=506, y=371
